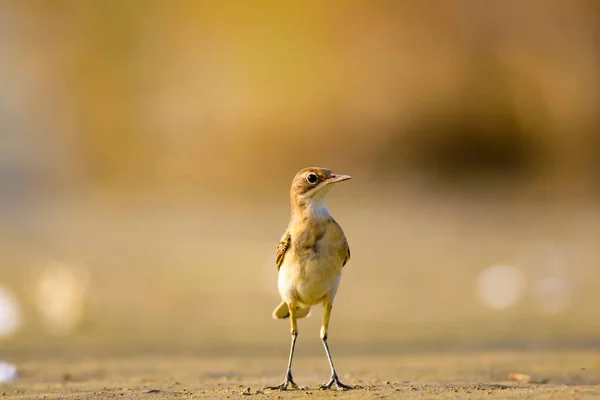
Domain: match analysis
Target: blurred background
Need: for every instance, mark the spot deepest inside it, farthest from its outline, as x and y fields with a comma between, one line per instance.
x=147, y=148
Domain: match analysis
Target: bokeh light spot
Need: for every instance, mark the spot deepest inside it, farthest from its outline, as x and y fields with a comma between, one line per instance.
x=60, y=297
x=500, y=286
x=10, y=314
x=8, y=372
x=552, y=294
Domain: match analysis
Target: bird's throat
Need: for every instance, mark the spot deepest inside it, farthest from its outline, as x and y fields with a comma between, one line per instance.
x=310, y=209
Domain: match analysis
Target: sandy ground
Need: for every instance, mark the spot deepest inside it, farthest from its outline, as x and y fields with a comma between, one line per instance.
x=162, y=310
x=568, y=374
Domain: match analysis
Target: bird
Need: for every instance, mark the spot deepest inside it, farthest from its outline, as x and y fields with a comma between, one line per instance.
x=310, y=257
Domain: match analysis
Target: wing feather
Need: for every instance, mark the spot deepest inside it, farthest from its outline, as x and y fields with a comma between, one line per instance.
x=347, y=255
x=282, y=247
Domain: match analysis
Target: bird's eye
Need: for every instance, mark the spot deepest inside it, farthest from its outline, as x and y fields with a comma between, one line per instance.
x=312, y=178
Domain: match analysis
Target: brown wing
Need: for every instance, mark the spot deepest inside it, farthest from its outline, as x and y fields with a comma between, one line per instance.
x=284, y=244
x=346, y=247
x=347, y=255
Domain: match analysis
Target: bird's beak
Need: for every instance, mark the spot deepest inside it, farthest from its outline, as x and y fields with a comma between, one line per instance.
x=339, y=178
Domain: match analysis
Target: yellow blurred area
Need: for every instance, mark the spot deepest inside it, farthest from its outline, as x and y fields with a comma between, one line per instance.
x=147, y=147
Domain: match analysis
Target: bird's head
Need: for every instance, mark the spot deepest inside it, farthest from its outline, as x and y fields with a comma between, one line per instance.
x=313, y=183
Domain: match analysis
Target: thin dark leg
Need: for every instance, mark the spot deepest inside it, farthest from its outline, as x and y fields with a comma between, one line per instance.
x=289, y=381
x=334, y=378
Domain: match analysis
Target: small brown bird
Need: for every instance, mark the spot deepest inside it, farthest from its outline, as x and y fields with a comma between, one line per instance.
x=310, y=258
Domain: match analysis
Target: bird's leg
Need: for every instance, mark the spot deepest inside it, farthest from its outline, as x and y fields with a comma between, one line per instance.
x=289, y=381
x=334, y=378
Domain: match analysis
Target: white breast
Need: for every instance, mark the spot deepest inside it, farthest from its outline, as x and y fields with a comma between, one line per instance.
x=311, y=280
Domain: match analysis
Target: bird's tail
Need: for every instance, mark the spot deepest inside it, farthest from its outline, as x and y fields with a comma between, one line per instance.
x=282, y=311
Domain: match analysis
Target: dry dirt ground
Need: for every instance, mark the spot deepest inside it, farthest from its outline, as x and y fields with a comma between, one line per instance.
x=565, y=374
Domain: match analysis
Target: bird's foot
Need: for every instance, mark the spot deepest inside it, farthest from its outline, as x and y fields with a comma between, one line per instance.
x=338, y=385
x=288, y=382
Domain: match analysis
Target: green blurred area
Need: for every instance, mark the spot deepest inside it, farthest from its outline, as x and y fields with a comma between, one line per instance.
x=150, y=144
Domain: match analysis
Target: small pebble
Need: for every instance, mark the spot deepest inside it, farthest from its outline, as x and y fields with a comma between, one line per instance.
x=246, y=392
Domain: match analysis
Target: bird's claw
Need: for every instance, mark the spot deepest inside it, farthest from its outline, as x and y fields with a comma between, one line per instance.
x=339, y=385
x=289, y=381
x=283, y=386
